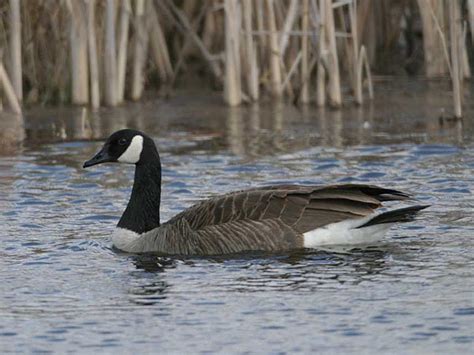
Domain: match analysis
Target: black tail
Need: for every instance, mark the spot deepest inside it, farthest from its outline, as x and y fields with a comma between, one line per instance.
x=406, y=214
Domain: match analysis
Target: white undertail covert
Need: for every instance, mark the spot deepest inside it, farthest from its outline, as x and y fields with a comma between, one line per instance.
x=346, y=232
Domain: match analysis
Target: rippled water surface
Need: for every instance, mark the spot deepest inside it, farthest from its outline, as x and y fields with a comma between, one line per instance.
x=63, y=288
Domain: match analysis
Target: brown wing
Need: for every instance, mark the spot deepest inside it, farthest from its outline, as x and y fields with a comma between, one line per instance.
x=268, y=218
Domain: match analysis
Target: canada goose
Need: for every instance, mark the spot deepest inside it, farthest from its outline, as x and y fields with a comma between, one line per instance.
x=272, y=218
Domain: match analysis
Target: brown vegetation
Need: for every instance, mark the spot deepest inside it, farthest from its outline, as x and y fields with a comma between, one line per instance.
x=94, y=52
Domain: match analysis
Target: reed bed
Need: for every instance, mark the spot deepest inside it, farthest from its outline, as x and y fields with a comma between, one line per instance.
x=322, y=52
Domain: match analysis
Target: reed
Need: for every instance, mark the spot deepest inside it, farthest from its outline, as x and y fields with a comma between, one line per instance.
x=322, y=55
x=110, y=63
x=184, y=26
x=466, y=69
x=309, y=51
x=207, y=39
x=15, y=48
x=304, y=96
x=433, y=21
x=251, y=71
x=78, y=47
x=159, y=47
x=125, y=10
x=288, y=25
x=334, y=91
x=274, y=51
x=93, y=61
x=357, y=56
x=470, y=10
x=9, y=90
x=140, y=50
x=455, y=34
x=232, y=87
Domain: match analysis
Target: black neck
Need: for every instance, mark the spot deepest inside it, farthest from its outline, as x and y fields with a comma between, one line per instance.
x=143, y=210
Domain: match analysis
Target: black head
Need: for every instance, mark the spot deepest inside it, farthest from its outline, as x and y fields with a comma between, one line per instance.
x=125, y=146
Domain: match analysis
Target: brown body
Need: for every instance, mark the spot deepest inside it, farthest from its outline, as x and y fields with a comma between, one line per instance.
x=272, y=218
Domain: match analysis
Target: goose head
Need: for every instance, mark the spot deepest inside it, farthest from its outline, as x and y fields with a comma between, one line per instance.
x=129, y=146
x=126, y=146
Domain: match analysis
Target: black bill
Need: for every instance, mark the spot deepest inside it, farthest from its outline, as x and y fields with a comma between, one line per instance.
x=101, y=157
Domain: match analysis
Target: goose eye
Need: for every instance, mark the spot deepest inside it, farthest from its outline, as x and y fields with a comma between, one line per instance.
x=122, y=141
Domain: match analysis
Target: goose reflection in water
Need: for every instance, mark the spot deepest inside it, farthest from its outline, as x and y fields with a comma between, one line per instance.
x=255, y=272
x=305, y=271
x=149, y=286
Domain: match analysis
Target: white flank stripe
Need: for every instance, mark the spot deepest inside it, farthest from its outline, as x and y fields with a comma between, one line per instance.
x=346, y=232
x=132, y=154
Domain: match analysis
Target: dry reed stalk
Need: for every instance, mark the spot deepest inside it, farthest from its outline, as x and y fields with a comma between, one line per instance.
x=321, y=70
x=124, y=25
x=367, y=17
x=470, y=10
x=140, y=50
x=155, y=42
x=364, y=63
x=293, y=69
x=252, y=66
x=208, y=33
x=15, y=48
x=466, y=70
x=185, y=27
x=334, y=93
x=93, y=62
x=357, y=63
x=286, y=76
x=79, y=57
x=9, y=90
x=347, y=36
x=274, y=54
x=442, y=32
x=110, y=57
x=164, y=47
x=206, y=12
x=232, y=83
x=46, y=63
x=456, y=64
x=190, y=8
x=158, y=46
x=304, y=96
x=288, y=25
x=259, y=5
x=289, y=44
x=432, y=16
x=29, y=65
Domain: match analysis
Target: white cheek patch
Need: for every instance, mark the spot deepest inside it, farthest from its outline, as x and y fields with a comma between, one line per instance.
x=132, y=154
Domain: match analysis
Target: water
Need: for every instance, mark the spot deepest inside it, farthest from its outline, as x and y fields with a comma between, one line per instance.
x=64, y=289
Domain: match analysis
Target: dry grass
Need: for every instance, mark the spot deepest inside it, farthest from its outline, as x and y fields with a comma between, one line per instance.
x=95, y=52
